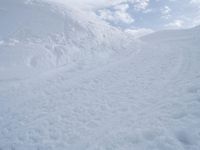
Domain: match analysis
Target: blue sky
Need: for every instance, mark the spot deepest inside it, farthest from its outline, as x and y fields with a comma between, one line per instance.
x=146, y=14
x=151, y=14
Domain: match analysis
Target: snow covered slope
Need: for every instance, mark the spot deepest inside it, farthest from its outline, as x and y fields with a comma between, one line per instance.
x=177, y=34
x=149, y=100
x=38, y=36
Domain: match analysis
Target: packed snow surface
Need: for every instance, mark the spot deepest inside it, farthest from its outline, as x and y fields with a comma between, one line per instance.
x=69, y=81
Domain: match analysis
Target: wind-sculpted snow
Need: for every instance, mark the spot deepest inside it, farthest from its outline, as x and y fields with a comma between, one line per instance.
x=90, y=87
x=36, y=37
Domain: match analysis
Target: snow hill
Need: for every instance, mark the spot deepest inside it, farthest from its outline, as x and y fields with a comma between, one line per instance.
x=69, y=81
x=36, y=37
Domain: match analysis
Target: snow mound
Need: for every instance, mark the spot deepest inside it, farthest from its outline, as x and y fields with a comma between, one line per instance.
x=39, y=36
x=143, y=101
x=149, y=100
x=170, y=35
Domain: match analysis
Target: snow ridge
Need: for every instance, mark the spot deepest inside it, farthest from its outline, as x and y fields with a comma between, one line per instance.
x=37, y=37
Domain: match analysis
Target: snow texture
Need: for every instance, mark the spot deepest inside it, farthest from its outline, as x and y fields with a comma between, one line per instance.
x=69, y=81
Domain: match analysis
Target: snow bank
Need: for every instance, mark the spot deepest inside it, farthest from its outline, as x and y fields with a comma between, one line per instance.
x=40, y=36
x=148, y=100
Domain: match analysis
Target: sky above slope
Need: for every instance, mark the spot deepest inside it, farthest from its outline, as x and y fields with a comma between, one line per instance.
x=148, y=14
x=154, y=14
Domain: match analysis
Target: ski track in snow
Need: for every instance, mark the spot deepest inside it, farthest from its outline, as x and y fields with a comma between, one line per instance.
x=145, y=100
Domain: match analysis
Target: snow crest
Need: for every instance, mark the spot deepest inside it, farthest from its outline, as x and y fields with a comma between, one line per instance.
x=37, y=37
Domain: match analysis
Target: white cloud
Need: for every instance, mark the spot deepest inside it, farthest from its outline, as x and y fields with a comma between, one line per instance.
x=195, y=1
x=97, y=4
x=117, y=10
x=146, y=11
x=139, y=32
x=119, y=14
x=139, y=4
x=122, y=7
x=165, y=12
x=175, y=24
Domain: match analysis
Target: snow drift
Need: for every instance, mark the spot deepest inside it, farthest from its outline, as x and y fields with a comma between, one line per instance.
x=37, y=36
x=95, y=92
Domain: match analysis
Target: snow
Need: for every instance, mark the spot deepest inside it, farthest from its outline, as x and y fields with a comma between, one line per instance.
x=137, y=33
x=39, y=37
x=70, y=81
